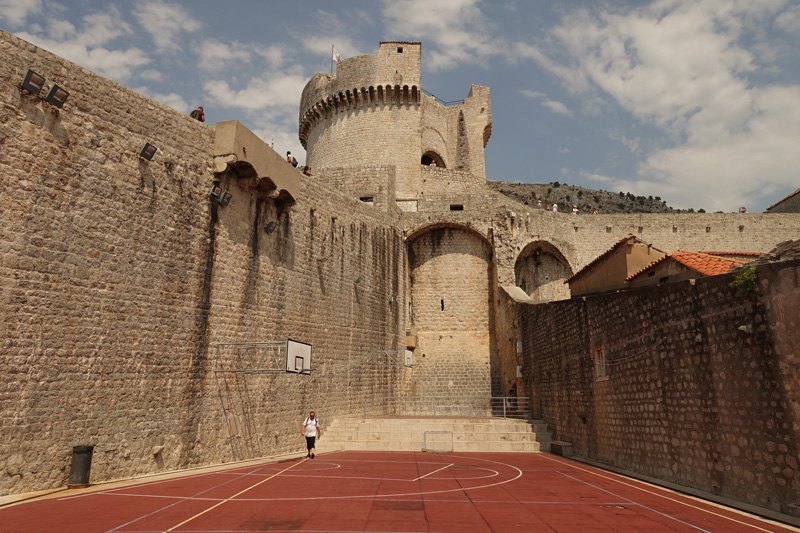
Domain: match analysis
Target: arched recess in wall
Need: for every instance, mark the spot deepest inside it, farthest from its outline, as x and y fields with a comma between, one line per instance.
x=432, y=157
x=450, y=290
x=540, y=271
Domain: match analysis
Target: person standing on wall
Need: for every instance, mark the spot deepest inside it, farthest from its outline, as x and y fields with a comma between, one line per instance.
x=311, y=430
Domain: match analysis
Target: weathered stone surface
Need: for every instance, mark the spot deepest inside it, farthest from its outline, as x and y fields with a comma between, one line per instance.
x=687, y=395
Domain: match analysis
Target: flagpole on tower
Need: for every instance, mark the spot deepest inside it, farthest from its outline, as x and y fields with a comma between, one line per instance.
x=332, y=49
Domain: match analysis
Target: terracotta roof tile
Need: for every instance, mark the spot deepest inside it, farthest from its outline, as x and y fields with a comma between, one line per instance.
x=704, y=263
x=608, y=252
x=746, y=254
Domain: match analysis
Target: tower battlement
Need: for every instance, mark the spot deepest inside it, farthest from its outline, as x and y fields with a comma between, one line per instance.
x=373, y=110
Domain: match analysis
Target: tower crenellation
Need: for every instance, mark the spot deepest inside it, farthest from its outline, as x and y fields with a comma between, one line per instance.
x=374, y=109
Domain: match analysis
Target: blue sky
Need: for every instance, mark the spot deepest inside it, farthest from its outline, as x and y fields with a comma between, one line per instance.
x=695, y=101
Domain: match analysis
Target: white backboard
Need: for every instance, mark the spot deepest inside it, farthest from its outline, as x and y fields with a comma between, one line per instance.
x=298, y=357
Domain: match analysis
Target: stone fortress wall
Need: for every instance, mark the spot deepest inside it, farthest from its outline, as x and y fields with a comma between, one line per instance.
x=699, y=383
x=121, y=277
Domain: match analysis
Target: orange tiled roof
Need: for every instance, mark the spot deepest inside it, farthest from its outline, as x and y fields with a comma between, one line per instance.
x=746, y=254
x=608, y=252
x=704, y=263
x=783, y=200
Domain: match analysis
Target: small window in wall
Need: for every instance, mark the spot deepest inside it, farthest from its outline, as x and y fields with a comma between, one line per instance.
x=600, y=362
x=368, y=200
x=399, y=49
x=456, y=207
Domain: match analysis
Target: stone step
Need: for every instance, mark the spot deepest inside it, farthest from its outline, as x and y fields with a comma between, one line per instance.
x=409, y=434
x=411, y=446
x=419, y=435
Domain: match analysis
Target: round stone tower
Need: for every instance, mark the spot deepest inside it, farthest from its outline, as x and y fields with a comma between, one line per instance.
x=373, y=112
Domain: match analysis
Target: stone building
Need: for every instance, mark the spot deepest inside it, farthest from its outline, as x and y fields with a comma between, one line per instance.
x=130, y=283
x=610, y=270
x=790, y=204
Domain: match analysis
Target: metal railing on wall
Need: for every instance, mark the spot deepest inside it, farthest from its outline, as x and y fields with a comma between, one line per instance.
x=453, y=102
x=451, y=407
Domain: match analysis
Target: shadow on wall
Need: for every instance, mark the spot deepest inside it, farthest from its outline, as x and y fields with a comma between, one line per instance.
x=541, y=270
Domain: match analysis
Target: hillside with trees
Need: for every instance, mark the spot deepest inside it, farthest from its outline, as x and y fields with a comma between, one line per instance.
x=567, y=196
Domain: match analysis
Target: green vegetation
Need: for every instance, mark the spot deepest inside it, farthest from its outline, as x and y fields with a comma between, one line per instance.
x=563, y=194
x=744, y=281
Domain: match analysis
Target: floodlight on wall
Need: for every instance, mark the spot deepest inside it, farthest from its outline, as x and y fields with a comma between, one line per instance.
x=57, y=96
x=225, y=199
x=33, y=82
x=216, y=191
x=270, y=227
x=148, y=151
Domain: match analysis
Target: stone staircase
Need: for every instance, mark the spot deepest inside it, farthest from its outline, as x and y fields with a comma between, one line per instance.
x=409, y=434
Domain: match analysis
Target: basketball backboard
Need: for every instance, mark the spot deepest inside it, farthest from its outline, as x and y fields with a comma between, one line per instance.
x=298, y=357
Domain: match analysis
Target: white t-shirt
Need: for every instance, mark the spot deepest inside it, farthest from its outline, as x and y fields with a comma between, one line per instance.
x=311, y=426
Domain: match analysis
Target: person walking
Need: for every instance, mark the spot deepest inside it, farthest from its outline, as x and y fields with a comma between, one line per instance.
x=311, y=430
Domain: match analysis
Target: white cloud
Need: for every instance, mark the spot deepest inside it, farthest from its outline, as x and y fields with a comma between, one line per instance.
x=457, y=29
x=16, y=11
x=789, y=20
x=553, y=105
x=87, y=46
x=630, y=144
x=684, y=66
x=216, y=55
x=165, y=21
x=173, y=100
x=272, y=90
x=322, y=45
x=152, y=75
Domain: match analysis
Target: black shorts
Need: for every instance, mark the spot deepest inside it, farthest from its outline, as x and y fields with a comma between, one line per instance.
x=310, y=442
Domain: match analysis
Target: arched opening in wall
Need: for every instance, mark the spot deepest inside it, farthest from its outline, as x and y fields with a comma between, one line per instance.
x=432, y=159
x=450, y=290
x=540, y=271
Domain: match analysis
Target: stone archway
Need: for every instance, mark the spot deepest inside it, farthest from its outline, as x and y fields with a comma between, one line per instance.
x=450, y=295
x=540, y=271
x=430, y=157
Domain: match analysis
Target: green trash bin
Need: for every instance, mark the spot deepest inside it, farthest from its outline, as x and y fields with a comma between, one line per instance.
x=81, y=466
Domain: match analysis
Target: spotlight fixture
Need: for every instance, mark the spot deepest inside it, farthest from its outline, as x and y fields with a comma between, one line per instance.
x=270, y=227
x=33, y=82
x=216, y=191
x=225, y=199
x=148, y=151
x=57, y=96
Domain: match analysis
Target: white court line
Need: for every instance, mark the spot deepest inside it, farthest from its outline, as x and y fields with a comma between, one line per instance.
x=429, y=473
x=636, y=503
x=512, y=477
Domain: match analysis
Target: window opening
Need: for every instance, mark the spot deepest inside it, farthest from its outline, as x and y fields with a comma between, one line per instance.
x=442, y=305
x=399, y=49
x=600, y=362
x=456, y=207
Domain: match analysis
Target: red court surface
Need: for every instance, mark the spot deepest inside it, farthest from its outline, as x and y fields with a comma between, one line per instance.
x=381, y=492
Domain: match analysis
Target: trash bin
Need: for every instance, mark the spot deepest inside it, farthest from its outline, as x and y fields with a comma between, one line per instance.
x=81, y=465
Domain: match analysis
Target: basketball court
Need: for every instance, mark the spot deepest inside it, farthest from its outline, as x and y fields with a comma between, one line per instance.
x=380, y=492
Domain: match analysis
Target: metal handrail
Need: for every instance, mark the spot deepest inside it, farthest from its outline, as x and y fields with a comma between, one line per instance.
x=449, y=407
x=454, y=102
